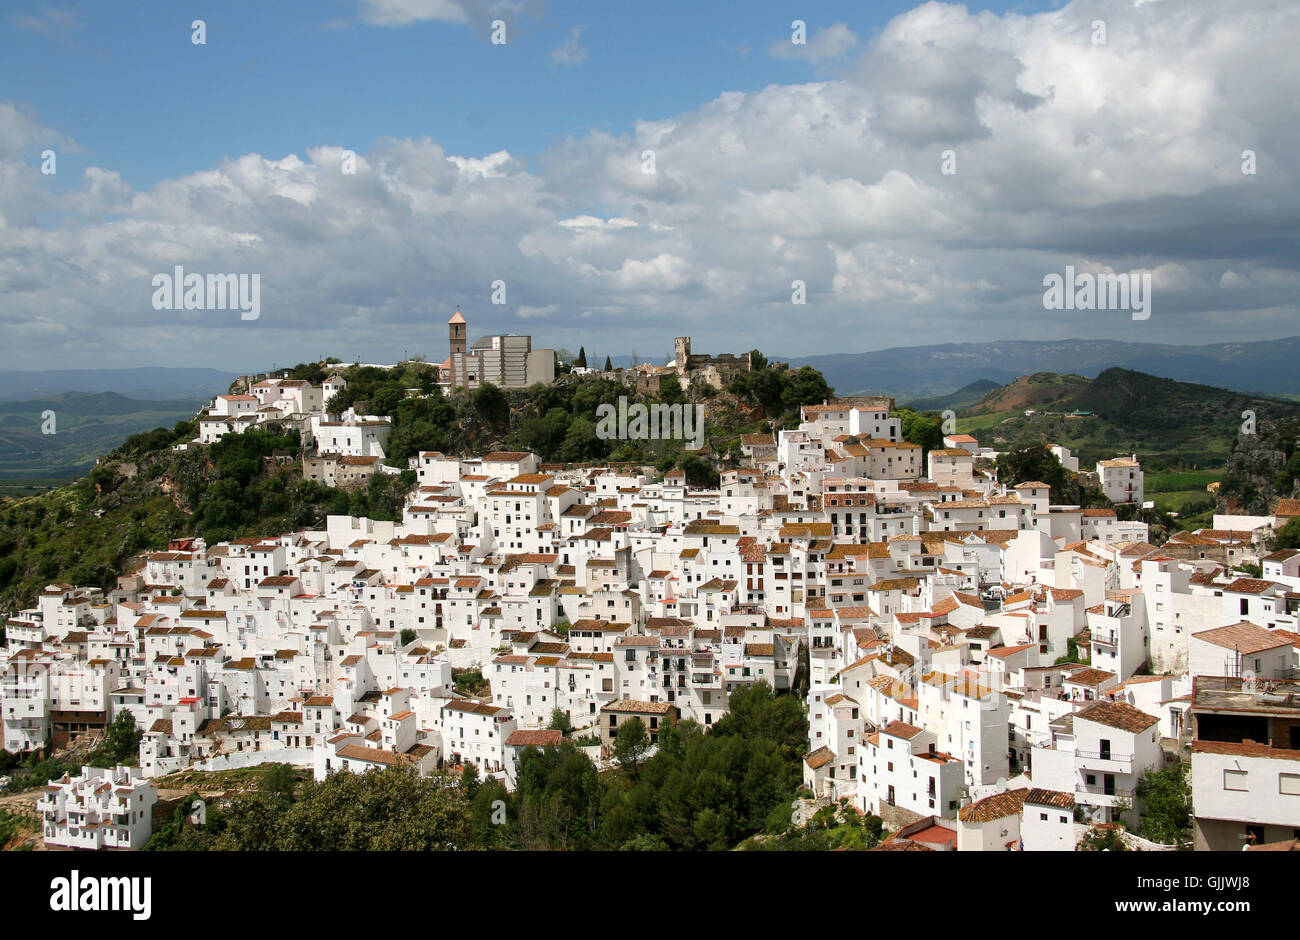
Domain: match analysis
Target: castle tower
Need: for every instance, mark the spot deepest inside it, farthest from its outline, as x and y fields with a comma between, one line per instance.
x=456, y=336
x=682, y=352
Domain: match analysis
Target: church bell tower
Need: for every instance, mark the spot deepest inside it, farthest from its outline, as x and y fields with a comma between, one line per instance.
x=456, y=333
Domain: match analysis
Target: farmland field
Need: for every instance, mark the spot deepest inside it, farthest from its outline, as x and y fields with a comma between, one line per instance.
x=1179, y=480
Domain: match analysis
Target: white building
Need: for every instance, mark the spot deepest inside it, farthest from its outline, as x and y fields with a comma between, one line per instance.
x=1241, y=649
x=99, y=809
x=1121, y=480
x=1099, y=754
x=901, y=766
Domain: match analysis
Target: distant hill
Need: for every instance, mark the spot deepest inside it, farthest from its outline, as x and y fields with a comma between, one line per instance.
x=85, y=426
x=912, y=372
x=964, y=397
x=152, y=383
x=1040, y=390
x=1168, y=423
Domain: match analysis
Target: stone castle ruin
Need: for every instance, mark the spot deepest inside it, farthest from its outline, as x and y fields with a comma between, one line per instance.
x=710, y=370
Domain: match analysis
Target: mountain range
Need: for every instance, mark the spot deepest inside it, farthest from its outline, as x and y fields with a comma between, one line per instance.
x=85, y=426
x=150, y=383
x=911, y=372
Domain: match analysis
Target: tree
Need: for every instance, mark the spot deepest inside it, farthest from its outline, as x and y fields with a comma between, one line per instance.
x=389, y=809
x=558, y=798
x=1037, y=464
x=630, y=744
x=386, y=400
x=122, y=739
x=1167, y=799
x=408, y=636
x=180, y=833
x=490, y=806
x=804, y=386
x=1288, y=536
x=560, y=721
x=581, y=442
x=491, y=405
x=581, y=361
x=644, y=842
x=609, y=366
x=699, y=472
x=778, y=391
x=278, y=783
x=921, y=430
x=469, y=779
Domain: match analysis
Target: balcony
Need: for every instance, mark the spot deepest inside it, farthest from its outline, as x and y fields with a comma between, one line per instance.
x=1108, y=762
x=1100, y=795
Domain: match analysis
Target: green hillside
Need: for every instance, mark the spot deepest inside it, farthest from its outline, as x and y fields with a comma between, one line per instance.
x=1170, y=425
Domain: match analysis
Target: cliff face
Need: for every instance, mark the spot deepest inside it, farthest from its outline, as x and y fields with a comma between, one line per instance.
x=1263, y=468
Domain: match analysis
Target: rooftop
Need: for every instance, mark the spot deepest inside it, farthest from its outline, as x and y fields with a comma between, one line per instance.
x=1264, y=696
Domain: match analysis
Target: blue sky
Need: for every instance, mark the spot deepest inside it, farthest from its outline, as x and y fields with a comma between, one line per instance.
x=277, y=77
x=821, y=165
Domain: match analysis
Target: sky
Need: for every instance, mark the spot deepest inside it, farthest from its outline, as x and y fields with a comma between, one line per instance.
x=612, y=175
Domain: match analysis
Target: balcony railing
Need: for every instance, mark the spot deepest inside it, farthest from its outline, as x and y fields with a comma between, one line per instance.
x=1118, y=793
x=1096, y=758
x=1113, y=756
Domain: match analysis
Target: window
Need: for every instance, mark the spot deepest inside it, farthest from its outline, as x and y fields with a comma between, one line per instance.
x=1235, y=780
x=1288, y=784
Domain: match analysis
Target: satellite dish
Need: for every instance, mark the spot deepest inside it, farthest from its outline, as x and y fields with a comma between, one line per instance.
x=1000, y=784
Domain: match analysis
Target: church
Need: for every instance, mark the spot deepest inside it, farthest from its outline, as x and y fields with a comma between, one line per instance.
x=506, y=361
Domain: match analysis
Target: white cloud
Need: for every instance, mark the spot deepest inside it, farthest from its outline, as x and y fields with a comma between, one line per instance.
x=570, y=52
x=49, y=20
x=591, y=222
x=404, y=12
x=493, y=165
x=832, y=42
x=1123, y=157
x=478, y=13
